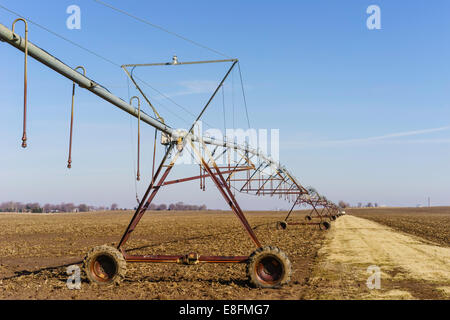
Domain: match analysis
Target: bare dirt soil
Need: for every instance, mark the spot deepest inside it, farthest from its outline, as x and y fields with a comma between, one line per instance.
x=410, y=267
x=35, y=250
x=430, y=223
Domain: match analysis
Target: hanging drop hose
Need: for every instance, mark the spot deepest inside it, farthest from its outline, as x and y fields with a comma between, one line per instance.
x=154, y=156
x=138, y=174
x=69, y=161
x=24, y=136
x=201, y=177
x=131, y=131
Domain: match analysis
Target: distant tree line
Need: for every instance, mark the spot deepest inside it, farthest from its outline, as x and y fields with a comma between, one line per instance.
x=368, y=205
x=343, y=204
x=179, y=206
x=35, y=207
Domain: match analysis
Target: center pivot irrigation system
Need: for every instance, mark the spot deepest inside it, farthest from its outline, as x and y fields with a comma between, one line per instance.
x=252, y=173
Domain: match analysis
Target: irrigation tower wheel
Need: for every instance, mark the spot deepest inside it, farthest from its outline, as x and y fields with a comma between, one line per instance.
x=268, y=267
x=104, y=265
x=281, y=225
x=333, y=218
x=308, y=218
x=324, y=225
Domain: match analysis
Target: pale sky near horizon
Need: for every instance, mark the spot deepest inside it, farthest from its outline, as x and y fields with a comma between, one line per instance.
x=364, y=115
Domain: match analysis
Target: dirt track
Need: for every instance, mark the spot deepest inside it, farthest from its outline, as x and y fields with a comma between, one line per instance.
x=410, y=267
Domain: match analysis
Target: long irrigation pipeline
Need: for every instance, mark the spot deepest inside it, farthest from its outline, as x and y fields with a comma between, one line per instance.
x=253, y=173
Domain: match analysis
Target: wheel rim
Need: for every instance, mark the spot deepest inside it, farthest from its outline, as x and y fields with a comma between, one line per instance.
x=103, y=268
x=325, y=225
x=282, y=225
x=269, y=270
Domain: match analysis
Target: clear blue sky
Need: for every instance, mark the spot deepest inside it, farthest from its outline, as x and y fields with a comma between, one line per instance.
x=364, y=115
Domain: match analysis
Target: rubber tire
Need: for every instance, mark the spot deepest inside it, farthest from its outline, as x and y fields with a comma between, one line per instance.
x=282, y=225
x=324, y=225
x=266, y=252
x=308, y=218
x=333, y=218
x=114, y=255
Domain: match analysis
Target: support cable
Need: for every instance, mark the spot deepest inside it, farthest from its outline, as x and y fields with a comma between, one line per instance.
x=243, y=94
x=161, y=28
x=61, y=37
x=102, y=58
